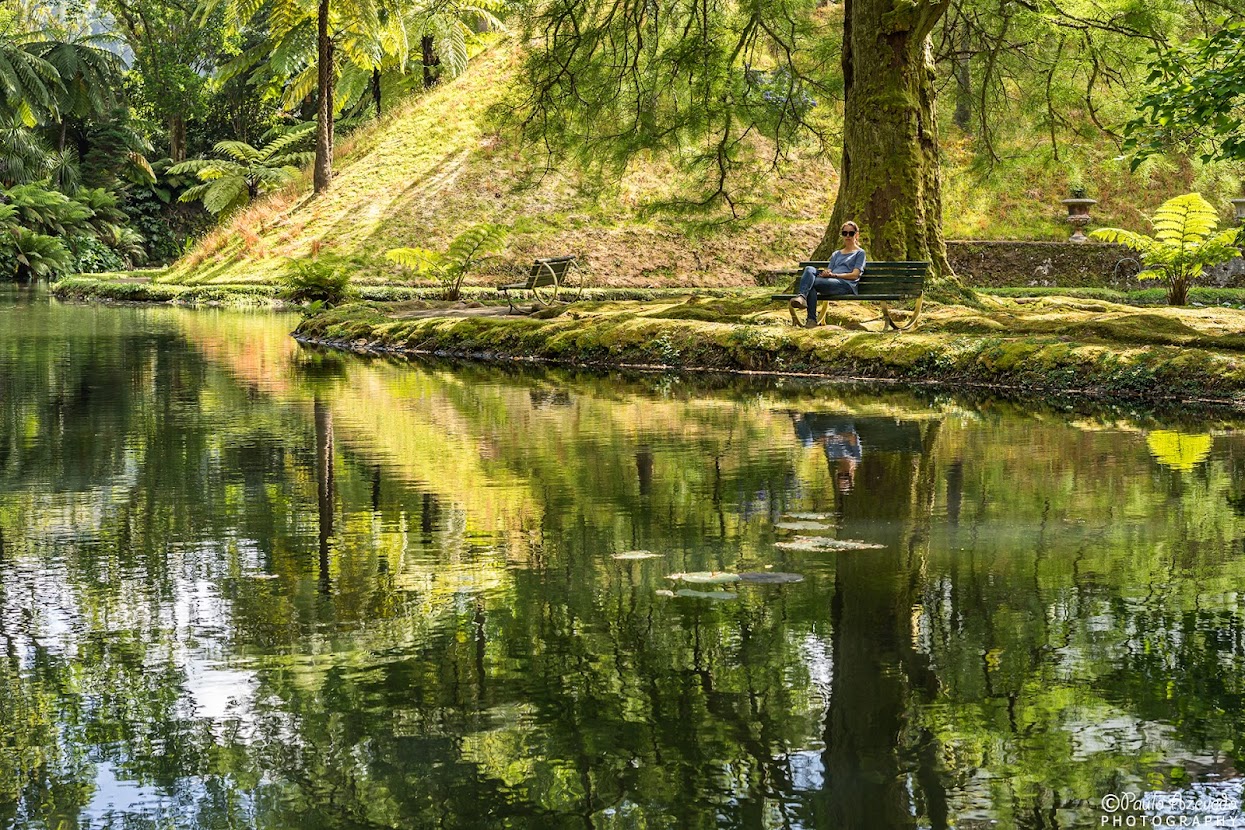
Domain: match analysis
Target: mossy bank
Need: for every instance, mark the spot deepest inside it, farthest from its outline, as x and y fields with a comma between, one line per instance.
x=1037, y=345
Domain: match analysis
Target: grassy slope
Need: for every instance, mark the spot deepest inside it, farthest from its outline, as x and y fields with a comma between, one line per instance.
x=432, y=168
x=435, y=165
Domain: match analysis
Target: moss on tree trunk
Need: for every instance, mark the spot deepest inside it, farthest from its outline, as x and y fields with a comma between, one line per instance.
x=890, y=182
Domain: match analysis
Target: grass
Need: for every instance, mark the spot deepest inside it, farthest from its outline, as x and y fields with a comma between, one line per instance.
x=1229, y=297
x=113, y=290
x=1034, y=344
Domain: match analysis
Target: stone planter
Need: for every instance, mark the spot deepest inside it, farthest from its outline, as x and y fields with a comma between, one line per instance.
x=1238, y=206
x=1078, y=217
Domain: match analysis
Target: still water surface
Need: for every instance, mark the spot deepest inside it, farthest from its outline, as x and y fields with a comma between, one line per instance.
x=245, y=584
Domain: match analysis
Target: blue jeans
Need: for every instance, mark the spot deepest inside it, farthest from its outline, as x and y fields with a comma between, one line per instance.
x=810, y=284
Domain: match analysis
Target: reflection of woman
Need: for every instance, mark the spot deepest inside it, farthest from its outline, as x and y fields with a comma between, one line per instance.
x=839, y=440
x=843, y=455
x=841, y=277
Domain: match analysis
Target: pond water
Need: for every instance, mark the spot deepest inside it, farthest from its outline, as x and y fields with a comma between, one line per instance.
x=248, y=584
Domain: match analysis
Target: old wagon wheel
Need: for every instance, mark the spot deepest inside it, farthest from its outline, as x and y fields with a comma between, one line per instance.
x=573, y=280
x=545, y=287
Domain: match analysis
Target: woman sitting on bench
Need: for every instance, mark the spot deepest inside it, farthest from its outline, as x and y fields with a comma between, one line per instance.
x=842, y=277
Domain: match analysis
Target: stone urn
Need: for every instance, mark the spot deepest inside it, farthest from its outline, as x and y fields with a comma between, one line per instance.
x=1078, y=216
x=1238, y=206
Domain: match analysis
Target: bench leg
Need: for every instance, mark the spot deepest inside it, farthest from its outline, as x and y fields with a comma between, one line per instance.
x=890, y=321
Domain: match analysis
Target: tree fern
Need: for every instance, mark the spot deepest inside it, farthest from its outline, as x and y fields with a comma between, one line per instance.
x=464, y=253
x=88, y=71
x=1184, y=243
x=244, y=172
x=35, y=254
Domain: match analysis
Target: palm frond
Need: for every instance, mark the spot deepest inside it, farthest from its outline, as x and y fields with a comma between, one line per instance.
x=237, y=150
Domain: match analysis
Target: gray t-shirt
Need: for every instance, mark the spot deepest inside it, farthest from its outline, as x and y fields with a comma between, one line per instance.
x=841, y=263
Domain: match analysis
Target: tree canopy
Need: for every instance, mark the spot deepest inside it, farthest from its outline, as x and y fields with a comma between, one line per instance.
x=1195, y=100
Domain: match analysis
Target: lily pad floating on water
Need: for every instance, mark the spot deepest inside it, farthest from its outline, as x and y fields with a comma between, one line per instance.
x=635, y=554
x=802, y=525
x=717, y=595
x=770, y=578
x=705, y=577
x=810, y=517
x=822, y=543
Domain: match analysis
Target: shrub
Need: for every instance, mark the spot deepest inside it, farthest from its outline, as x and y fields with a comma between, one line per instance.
x=316, y=281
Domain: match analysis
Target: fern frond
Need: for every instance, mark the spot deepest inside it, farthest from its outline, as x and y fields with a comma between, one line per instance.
x=237, y=150
x=224, y=195
x=476, y=242
x=288, y=138
x=1130, y=239
x=1185, y=220
x=420, y=259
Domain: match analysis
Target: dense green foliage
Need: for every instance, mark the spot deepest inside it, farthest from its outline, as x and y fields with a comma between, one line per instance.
x=91, y=94
x=1196, y=99
x=318, y=282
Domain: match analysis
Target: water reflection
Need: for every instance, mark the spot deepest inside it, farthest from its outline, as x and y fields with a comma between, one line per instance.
x=247, y=584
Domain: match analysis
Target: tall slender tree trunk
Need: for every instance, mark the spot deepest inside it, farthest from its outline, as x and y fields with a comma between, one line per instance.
x=890, y=182
x=323, y=172
x=430, y=60
x=376, y=90
x=963, y=116
x=177, y=138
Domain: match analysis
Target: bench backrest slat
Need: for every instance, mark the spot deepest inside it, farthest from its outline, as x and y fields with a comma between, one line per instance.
x=540, y=276
x=882, y=277
x=881, y=267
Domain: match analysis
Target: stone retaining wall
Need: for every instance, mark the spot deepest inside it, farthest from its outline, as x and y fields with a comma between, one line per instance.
x=1063, y=264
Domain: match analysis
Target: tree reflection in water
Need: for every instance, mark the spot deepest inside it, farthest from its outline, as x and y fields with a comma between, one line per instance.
x=244, y=584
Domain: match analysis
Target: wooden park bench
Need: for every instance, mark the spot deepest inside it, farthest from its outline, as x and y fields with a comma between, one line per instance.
x=881, y=282
x=547, y=279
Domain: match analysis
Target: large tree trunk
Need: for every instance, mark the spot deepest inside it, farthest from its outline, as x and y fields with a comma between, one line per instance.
x=890, y=181
x=323, y=172
x=177, y=138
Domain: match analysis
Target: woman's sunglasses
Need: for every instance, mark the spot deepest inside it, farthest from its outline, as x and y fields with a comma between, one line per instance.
x=847, y=233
